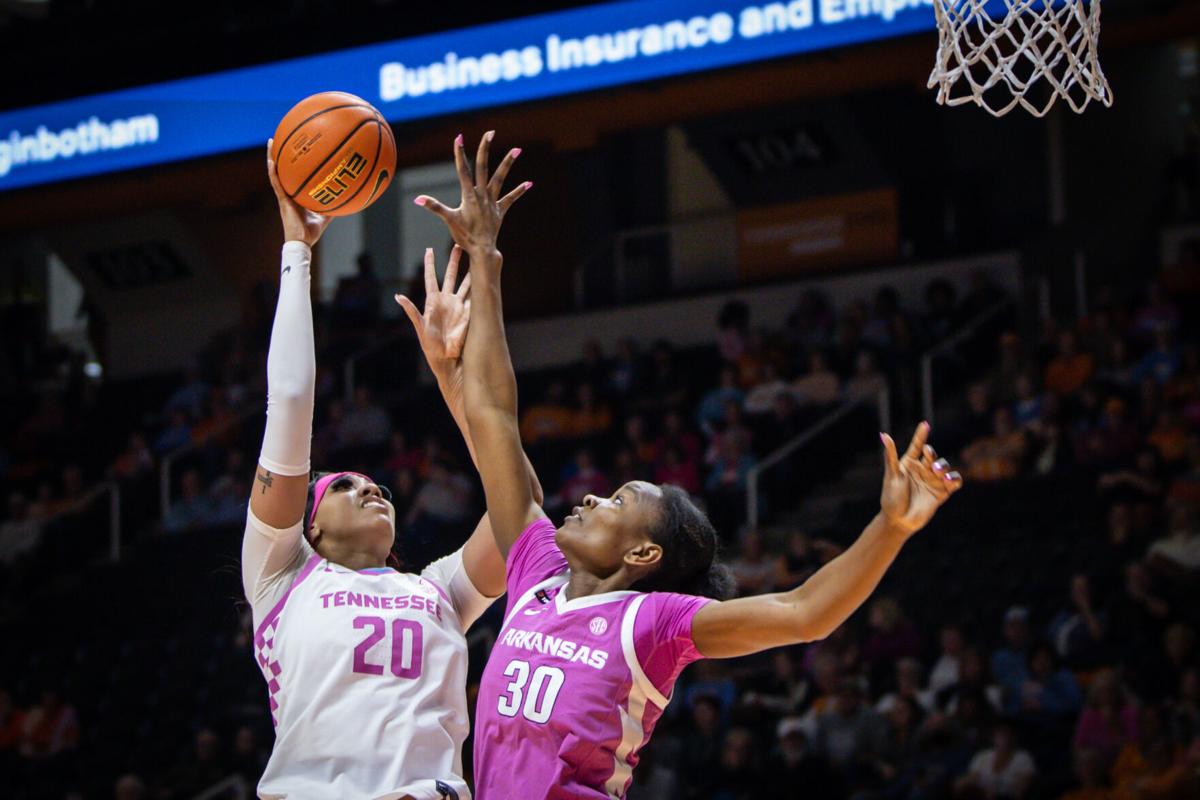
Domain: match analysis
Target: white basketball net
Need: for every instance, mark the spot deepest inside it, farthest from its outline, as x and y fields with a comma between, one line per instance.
x=1033, y=54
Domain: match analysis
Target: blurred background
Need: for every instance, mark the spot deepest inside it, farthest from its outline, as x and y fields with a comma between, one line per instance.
x=740, y=261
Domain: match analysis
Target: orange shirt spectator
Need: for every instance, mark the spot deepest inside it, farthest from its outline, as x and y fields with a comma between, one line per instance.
x=1068, y=371
x=996, y=457
x=550, y=419
x=591, y=417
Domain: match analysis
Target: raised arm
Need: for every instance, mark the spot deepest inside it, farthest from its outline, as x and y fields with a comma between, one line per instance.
x=442, y=331
x=489, y=384
x=277, y=499
x=914, y=487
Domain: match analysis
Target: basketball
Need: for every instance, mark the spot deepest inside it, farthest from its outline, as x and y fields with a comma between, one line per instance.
x=335, y=153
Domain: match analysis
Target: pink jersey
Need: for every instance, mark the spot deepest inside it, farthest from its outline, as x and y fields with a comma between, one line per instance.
x=573, y=688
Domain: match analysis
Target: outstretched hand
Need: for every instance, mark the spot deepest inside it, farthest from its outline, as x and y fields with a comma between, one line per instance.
x=299, y=224
x=442, y=329
x=475, y=223
x=915, y=486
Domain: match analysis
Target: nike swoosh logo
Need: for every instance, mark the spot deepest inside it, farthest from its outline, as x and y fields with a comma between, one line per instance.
x=288, y=268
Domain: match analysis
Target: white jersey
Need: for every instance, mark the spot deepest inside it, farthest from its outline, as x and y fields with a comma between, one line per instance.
x=366, y=671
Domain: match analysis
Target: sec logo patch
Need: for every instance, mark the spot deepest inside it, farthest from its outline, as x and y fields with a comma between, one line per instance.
x=598, y=625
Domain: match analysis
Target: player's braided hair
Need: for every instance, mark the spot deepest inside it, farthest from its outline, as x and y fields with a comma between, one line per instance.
x=393, y=556
x=689, y=541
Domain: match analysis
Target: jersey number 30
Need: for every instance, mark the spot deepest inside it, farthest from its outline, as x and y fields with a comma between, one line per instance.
x=406, y=647
x=543, y=691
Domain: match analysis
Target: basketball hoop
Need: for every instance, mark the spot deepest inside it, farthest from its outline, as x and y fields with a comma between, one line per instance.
x=1025, y=52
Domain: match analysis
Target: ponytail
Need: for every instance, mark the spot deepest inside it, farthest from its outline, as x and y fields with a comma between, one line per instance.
x=689, y=541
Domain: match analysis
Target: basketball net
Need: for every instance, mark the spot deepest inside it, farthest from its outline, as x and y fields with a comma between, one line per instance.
x=1026, y=52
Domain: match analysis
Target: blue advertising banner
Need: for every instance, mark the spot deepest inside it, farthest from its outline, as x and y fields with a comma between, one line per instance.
x=489, y=65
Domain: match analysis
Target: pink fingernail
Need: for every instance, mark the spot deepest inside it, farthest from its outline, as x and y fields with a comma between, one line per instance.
x=516, y=151
x=528, y=185
x=882, y=439
x=489, y=135
x=458, y=141
x=419, y=201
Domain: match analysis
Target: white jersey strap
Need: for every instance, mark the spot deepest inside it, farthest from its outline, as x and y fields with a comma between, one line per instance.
x=640, y=681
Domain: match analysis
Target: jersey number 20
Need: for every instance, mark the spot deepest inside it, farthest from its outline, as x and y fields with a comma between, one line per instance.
x=406, y=647
x=543, y=691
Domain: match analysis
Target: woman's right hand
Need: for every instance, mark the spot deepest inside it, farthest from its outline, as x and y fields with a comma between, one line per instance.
x=299, y=224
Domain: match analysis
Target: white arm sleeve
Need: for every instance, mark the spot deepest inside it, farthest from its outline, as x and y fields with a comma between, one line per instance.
x=291, y=369
x=271, y=555
x=450, y=575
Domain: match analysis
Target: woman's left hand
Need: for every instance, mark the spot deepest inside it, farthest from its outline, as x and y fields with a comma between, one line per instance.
x=442, y=329
x=915, y=486
x=475, y=223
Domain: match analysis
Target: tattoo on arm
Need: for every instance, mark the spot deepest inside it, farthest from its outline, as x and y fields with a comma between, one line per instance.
x=266, y=479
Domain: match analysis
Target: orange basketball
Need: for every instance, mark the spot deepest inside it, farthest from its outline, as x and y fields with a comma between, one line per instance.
x=335, y=153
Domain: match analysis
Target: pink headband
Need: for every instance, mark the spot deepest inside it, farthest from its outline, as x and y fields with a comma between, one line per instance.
x=319, y=491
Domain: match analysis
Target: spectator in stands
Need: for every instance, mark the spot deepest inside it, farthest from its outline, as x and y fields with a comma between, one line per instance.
x=672, y=468
x=227, y=493
x=20, y=532
x=130, y=787
x=1010, y=663
x=733, y=324
x=1109, y=719
x=1140, y=612
x=1185, y=706
x=356, y=301
x=1071, y=368
x=908, y=682
x=1112, y=440
x=1002, y=771
x=1091, y=778
x=793, y=764
x=811, y=323
x=675, y=434
x=213, y=427
x=760, y=399
x=801, y=558
x=701, y=746
x=591, y=417
x=996, y=457
x=941, y=316
x=1078, y=630
x=445, y=499
x=1117, y=369
x=730, y=430
x=867, y=381
x=625, y=373
x=665, y=386
x=902, y=745
x=193, y=510
x=1012, y=364
x=585, y=479
x=549, y=419
x=177, y=434
x=638, y=441
x=1177, y=555
x=191, y=396
x=739, y=775
x=891, y=637
x=249, y=759
x=781, y=691
x=135, y=461
x=1159, y=313
x=974, y=679
x=726, y=484
x=1029, y=406
x=1162, y=362
x=51, y=728
x=402, y=457
x=947, y=670
x=593, y=369
x=820, y=385
x=1050, y=693
x=850, y=731
x=753, y=568
x=1169, y=437
x=205, y=768
x=12, y=730
x=712, y=405
x=366, y=423
x=1149, y=767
